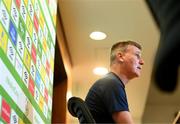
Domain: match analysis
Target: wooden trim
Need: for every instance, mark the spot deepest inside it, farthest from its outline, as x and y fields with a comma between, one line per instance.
x=62, y=87
x=177, y=118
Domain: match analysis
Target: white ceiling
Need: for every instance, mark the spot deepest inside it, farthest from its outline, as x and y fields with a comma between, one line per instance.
x=120, y=20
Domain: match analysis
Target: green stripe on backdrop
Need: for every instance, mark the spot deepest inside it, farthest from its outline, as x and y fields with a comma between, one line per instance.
x=23, y=39
x=46, y=21
x=13, y=105
x=21, y=84
x=49, y=13
x=4, y=56
x=39, y=43
x=14, y=72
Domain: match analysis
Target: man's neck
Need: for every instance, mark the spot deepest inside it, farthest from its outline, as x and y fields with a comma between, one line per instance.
x=123, y=77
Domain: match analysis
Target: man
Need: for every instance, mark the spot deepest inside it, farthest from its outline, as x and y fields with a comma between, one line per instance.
x=106, y=99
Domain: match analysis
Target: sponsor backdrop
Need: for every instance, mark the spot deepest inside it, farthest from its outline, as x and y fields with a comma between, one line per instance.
x=27, y=46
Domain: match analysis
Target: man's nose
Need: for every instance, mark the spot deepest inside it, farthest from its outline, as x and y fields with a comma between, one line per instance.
x=141, y=62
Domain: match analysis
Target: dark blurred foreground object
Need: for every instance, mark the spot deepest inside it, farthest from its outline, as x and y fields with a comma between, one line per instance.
x=78, y=108
x=167, y=16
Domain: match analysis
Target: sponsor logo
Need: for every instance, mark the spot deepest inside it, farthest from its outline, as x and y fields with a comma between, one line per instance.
x=11, y=52
x=13, y=33
x=5, y=112
x=14, y=13
x=4, y=17
x=14, y=117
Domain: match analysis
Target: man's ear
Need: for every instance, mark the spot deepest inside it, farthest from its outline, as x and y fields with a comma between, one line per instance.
x=120, y=57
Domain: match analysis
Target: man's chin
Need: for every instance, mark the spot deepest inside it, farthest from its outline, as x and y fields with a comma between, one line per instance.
x=138, y=74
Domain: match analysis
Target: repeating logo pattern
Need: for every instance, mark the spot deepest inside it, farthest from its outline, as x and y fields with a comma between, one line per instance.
x=27, y=46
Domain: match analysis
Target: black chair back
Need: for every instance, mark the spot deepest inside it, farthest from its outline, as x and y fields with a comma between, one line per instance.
x=78, y=108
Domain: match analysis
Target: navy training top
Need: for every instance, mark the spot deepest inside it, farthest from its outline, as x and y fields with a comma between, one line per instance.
x=107, y=95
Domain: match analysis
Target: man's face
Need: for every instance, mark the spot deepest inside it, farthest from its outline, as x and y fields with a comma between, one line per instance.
x=132, y=61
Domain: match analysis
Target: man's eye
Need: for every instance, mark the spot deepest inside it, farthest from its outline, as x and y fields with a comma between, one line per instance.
x=138, y=56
